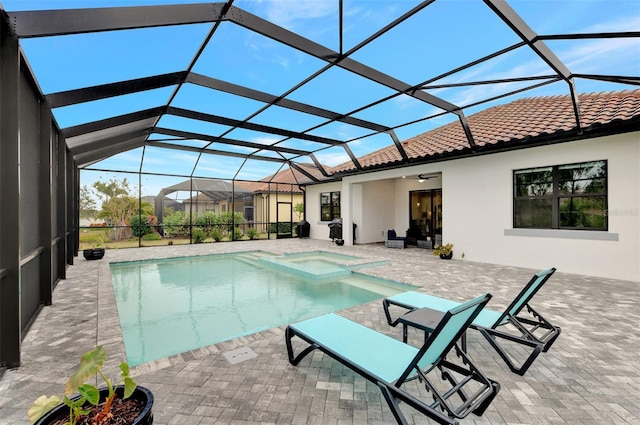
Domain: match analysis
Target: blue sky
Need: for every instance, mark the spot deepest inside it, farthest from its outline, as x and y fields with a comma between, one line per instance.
x=445, y=35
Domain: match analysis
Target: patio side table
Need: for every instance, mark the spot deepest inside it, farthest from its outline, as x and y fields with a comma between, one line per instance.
x=425, y=319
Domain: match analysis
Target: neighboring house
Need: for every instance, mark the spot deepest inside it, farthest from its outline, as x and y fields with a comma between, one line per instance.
x=208, y=195
x=270, y=200
x=166, y=202
x=535, y=191
x=201, y=203
x=276, y=196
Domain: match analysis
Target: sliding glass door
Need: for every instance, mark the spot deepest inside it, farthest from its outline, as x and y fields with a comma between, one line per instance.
x=425, y=215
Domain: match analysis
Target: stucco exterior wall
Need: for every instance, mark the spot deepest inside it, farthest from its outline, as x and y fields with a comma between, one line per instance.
x=477, y=203
x=478, y=210
x=377, y=213
x=319, y=229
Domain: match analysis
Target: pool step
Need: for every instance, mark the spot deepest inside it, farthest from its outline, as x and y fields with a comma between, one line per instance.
x=370, y=285
x=248, y=259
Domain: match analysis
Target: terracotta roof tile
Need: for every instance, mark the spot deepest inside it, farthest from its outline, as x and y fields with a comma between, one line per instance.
x=516, y=122
x=288, y=176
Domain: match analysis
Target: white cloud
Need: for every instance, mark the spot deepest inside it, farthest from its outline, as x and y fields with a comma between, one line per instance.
x=622, y=24
x=265, y=140
x=332, y=158
x=593, y=56
x=288, y=14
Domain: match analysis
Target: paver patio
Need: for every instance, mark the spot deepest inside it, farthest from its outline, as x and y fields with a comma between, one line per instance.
x=590, y=376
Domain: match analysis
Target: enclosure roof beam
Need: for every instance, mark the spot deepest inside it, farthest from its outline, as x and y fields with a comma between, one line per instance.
x=520, y=27
x=319, y=166
x=105, y=142
x=399, y=146
x=249, y=93
x=268, y=29
x=46, y=23
x=226, y=141
x=622, y=79
x=303, y=171
x=250, y=126
x=106, y=123
x=99, y=154
x=211, y=151
x=104, y=91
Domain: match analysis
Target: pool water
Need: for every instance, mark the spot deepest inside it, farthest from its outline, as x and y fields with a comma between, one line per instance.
x=316, y=264
x=175, y=305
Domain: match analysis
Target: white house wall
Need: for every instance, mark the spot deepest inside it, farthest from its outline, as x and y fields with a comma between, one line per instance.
x=318, y=229
x=377, y=213
x=477, y=203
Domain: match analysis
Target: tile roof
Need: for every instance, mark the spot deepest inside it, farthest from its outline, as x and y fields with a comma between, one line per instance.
x=525, y=120
x=289, y=176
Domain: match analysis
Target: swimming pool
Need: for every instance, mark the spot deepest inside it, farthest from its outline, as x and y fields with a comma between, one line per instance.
x=175, y=305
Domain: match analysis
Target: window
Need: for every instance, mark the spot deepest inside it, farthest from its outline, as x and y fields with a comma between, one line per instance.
x=329, y=205
x=572, y=196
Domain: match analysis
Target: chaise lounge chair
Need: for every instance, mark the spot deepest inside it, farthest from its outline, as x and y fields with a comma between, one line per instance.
x=390, y=363
x=533, y=332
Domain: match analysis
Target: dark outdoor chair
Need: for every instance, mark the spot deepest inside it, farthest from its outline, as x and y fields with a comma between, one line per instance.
x=531, y=331
x=454, y=382
x=395, y=241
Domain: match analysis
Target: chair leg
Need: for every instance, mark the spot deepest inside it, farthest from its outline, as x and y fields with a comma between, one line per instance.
x=485, y=404
x=491, y=334
x=294, y=360
x=393, y=396
x=530, y=337
x=550, y=342
x=386, y=304
x=467, y=382
x=393, y=404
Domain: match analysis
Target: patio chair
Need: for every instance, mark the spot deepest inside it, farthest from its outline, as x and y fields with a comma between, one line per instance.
x=395, y=241
x=456, y=385
x=532, y=331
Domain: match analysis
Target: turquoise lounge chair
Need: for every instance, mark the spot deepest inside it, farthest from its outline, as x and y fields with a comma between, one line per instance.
x=390, y=363
x=533, y=331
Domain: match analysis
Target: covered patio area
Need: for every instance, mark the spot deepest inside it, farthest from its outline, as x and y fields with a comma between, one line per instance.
x=590, y=375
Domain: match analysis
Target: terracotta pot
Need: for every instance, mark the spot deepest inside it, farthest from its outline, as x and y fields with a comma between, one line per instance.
x=141, y=393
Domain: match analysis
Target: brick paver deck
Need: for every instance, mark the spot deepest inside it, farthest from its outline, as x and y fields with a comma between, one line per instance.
x=590, y=376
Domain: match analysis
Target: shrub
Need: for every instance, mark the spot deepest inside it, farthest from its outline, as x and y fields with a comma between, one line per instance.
x=237, y=234
x=151, y=237
x=252, y=233
x=140, y=225
x=176, y=224
x=197, y=235
x=280, y=228
x=206, y=220
x=216, y=234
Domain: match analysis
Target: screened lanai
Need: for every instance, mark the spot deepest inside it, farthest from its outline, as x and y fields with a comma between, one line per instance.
x=243, y=89
x=256, y=91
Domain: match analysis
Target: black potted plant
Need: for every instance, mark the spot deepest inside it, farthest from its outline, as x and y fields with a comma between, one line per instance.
x=126, y=403
x=96, y=252
x=444, y=251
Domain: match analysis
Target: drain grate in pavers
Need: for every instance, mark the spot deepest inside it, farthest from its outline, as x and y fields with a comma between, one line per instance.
x=239, y=355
